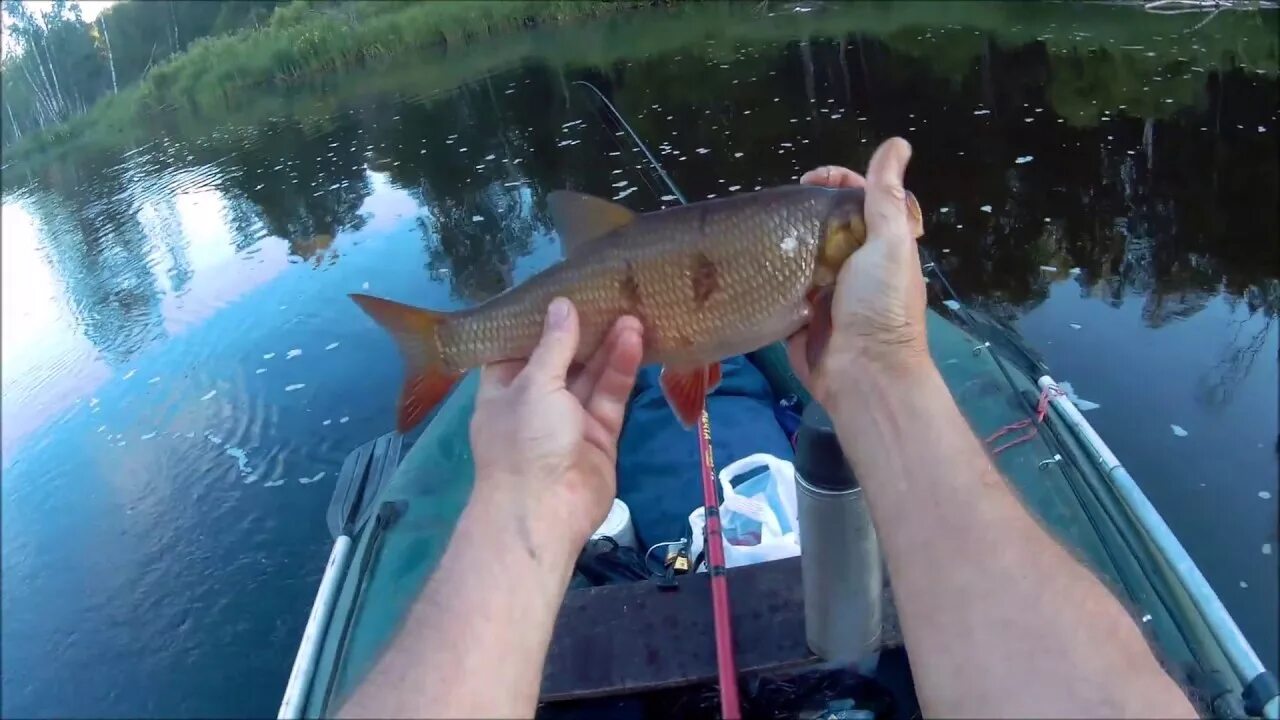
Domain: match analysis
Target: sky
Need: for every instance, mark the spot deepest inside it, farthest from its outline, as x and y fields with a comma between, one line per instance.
x=89, y=9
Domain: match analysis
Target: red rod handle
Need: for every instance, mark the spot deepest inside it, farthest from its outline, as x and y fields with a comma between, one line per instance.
x=726, y=668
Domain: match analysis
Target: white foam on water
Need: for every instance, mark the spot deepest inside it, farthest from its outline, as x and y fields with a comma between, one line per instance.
x=1023, y=159
x=1080, y=403
x=154, y=380
x=477, y=218
x=148, y=436
x=292, y=354
x=1266, y=548
x=273, y=483
x=314, y=478
x=209, y=394
x=1264, y=494
x=268, y=356
x=331, y=346
x=343, y=419
x=259, y=371
x=1075, y=326
x=326, y=421
x=985, y=208
x=128, y=374
x=242, y=460
x=295, y=386
x=1178, y=430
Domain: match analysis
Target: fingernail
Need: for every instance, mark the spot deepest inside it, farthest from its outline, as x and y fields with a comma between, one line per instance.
x=558, y=313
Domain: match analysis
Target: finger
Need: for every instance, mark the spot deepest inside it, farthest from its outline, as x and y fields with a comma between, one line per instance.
x=582, y=383
x=833, y=176
x=608, y=401
x=583, y=380
x=551, y=358
x=497, y=376
x=886, y=208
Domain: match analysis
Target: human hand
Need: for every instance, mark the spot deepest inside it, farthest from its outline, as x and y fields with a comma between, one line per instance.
x=545, y=436
x=878, y=309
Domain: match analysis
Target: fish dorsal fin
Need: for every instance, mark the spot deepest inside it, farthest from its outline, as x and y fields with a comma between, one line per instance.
x=581, y=218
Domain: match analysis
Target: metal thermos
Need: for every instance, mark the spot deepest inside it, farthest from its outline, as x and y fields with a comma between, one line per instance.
x=839, y=554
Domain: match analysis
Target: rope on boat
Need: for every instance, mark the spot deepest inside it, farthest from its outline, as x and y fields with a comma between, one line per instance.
x=1042, y=407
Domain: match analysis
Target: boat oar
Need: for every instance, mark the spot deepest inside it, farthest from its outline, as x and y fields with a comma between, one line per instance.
x=363, y=474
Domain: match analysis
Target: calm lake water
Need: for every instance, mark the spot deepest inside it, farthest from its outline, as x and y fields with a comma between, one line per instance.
x=183, y=374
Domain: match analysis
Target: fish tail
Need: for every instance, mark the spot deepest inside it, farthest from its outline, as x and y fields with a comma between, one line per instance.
x=427, y=378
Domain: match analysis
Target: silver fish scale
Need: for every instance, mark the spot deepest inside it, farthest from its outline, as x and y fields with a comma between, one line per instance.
x=708, y=280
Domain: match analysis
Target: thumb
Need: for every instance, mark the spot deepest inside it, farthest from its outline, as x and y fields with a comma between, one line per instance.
x=555, y=351
x=887, y=203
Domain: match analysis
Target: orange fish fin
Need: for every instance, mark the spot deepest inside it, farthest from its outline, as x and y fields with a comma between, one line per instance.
x=819, y=324
x=427, y=379
x=686, y=391
x=581, y=218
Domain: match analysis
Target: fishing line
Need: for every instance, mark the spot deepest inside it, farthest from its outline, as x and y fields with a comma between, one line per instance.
x=639, y=143
x=644, y=177
x=726, y=668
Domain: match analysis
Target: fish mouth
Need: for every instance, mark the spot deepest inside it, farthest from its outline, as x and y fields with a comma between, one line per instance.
x=823, y=276
x=844, y=232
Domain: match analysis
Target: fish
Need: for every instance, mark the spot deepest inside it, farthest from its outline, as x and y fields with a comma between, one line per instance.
x=707, y=281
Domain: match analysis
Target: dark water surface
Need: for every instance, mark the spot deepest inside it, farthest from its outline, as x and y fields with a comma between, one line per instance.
x=182, y=373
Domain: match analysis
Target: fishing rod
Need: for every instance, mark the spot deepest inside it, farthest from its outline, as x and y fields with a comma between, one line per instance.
x=726, y=666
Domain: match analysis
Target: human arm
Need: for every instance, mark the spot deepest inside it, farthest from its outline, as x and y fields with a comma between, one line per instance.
x=999, y=618
x=545, y=445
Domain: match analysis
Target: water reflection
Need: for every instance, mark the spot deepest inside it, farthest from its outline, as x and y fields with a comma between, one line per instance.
x=1067, y=158
x=1107, y=184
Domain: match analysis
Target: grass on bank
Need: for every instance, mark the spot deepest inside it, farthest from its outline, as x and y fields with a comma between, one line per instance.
x=198, y=93
x=303, y=40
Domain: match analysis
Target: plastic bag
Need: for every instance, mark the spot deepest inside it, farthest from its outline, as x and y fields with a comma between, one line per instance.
x=758, y=518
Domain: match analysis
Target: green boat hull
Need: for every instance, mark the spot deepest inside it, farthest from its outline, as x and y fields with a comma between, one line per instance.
x=412, y=517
